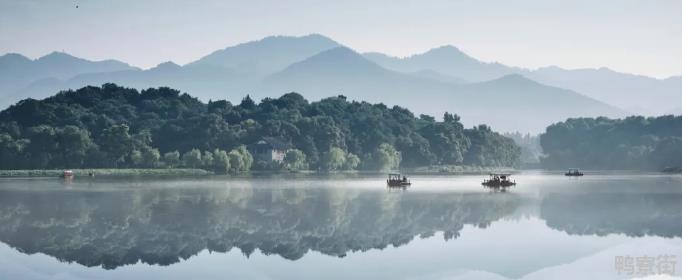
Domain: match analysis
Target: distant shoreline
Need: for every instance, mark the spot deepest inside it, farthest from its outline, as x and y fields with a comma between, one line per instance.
x=106, y=172
x=113, y=172
x=153, y=172
x=673, y=170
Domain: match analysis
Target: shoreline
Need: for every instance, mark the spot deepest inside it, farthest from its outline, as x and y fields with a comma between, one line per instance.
x=163, y=172
x=143, y=172
x=105, y=172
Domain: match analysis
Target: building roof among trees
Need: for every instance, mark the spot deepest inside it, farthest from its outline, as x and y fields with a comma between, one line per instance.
x=273, y=143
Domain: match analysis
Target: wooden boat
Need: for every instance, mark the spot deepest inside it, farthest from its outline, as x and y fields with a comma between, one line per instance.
x=396, y=180
x=573, y=172
x=67, y=174
x=499, y=180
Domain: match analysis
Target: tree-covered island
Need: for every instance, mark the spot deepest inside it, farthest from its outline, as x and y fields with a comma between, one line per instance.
x=116, y=127
x=633, y=143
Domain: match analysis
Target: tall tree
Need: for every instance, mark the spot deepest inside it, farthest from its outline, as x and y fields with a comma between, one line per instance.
x=192, y=158
x=117, y=143
x=73, y=143
x=221, y=162
x=172, y=159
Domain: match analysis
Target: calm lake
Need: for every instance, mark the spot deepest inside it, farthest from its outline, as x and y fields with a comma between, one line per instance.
x=600, y=226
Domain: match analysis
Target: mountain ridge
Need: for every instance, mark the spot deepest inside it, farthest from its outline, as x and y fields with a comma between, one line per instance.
x=320, y=76
x=326, y=68
x=268, y=55
x=18, y=71
x=647, y=95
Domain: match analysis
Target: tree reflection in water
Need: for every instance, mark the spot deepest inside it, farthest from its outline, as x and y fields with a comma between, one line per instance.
x=630, y=213
x=164, y=226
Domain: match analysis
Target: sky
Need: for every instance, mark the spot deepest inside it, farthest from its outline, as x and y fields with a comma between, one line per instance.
x=640, y=37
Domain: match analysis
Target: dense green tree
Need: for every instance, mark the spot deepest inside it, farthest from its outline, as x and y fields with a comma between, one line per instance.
x=295, y=160
x=41, y=147
x=247, y=158
x=117, y=143
x=142, y=139
x=352, y=162
x=172, y=159
x=448, y=137
x=136, y=158
x=73, y=144
x=150, y=157
x=192, y=158
x=667, y=153
x=11, y=151
x=207, y=160
x=334, y=159
x=236, y=161
x=491, y=149
x=221, y=162
x=416, y=150
x=240, y=159
x=248, y=103
x=385, y=157
x=95, y=158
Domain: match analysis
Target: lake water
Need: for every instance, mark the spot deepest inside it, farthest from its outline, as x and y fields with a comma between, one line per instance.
x=601, y=226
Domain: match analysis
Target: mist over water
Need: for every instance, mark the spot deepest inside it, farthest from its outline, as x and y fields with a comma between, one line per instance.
x=286, y=227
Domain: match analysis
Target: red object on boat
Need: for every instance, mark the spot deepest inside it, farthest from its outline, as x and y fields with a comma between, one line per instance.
x=67, y=174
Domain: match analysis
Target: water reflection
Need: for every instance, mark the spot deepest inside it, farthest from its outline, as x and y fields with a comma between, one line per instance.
x=632, y=214
x=115, y=223
x=164, y=226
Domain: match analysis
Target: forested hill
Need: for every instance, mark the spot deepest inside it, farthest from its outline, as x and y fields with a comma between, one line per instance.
x=602, y=143
x=112, y=126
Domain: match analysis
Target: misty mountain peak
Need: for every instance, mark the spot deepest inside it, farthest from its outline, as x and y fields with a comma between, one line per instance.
x=317, y=36
x=339, y=57
x=57, y=57
x=168, y=65
x=514, y=79
x=270, y=54
x=334, y=67
x=310, y=38
x=606, y=70
x=447, y=52
x=14, y=58
x=446, y=59
x=446, y=49
x=340, y=52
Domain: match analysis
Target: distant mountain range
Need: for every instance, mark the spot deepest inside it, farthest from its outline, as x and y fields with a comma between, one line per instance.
x=446, y=60
x=508, y=103
x=634, y=93
x=442, y=79
x=18, y=71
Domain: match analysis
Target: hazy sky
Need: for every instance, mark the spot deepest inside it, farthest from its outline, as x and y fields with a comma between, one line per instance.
x=643, y=37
